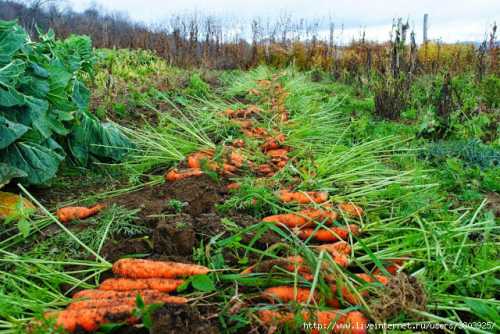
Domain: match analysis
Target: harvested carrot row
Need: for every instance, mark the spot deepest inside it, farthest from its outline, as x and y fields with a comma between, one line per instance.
x=351, y=209
x=337, y=321
x=91, y=319
x=128, y=284
x=130, y=301
x=176, y=175
x=140, y=268
x=70, y=213
x=332, y=234
x=303, y=197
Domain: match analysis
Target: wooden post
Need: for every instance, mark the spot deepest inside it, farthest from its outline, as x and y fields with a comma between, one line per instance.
x=426, y=21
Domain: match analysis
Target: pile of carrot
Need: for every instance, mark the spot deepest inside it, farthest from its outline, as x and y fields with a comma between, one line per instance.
x=115, y=298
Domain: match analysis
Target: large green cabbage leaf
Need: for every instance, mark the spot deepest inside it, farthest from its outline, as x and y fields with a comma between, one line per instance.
x=44, y=107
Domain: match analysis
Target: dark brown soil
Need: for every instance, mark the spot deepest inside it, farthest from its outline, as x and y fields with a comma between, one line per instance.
x=198, y=195
x=179, y=319
x=175, y=235
x=116, y=249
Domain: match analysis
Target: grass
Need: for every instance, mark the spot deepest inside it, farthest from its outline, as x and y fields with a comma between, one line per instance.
x=449, y=245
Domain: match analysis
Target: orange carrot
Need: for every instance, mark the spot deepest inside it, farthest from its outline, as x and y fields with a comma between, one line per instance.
x=194, y=160
x=287, y=294
x=176, y=175
x=109, y=302
x=351, y=209
x=273, y=143
x=233, y=186
x=281, y=163
x=337, y=247
x=303, y=197
x=109, y=294
x=239, y=143
x=351, y=297
x=140, y=268
x=67, y=214
x=265, y=169
x=277, y=153
x=91, y=319
x=302, y=218
x=333, y=234
x=243, y=123
x=236, y=159
x=127, y=284
x=271, y=317
x=393, y=267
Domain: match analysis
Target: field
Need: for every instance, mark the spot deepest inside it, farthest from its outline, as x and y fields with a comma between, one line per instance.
x=310, y=202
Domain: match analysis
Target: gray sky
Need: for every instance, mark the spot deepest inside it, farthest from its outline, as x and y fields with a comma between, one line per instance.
x=449, y=20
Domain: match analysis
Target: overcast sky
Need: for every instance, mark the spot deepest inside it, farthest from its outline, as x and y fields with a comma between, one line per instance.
x=449, y=20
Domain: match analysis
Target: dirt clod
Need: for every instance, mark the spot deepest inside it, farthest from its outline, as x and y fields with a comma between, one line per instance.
x=174, y=235
x=175, y=319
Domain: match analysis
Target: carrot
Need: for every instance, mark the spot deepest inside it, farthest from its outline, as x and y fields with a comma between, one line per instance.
x=109, y=294
x=333, y=234
x=265, y=169
x=302, y=218
x=91, y=319
x=67, y=214
x=194, y=160
x=341, y=247
x=287, y=294
x=236, y=159
x=253, y=91
x=127, y=284
x=243, y=123
x=303, y=197
x=277, y=153
x=255, y=132
x=393, y=267
x=239, y=143
x=334, y=320
x=351, y=209
x=271, y=317
x=140, y=268
x=351, y=297
x=273, y=143
x=233, y=186
x=110, y=302
x=281, y=163
x=176, y=175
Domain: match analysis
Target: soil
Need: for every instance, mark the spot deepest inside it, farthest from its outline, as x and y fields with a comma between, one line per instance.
x=175, y=235
x=494, y=203
x=175, y=319
x=116, y=249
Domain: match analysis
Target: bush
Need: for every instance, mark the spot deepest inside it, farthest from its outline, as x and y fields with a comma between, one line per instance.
x=44, y=107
